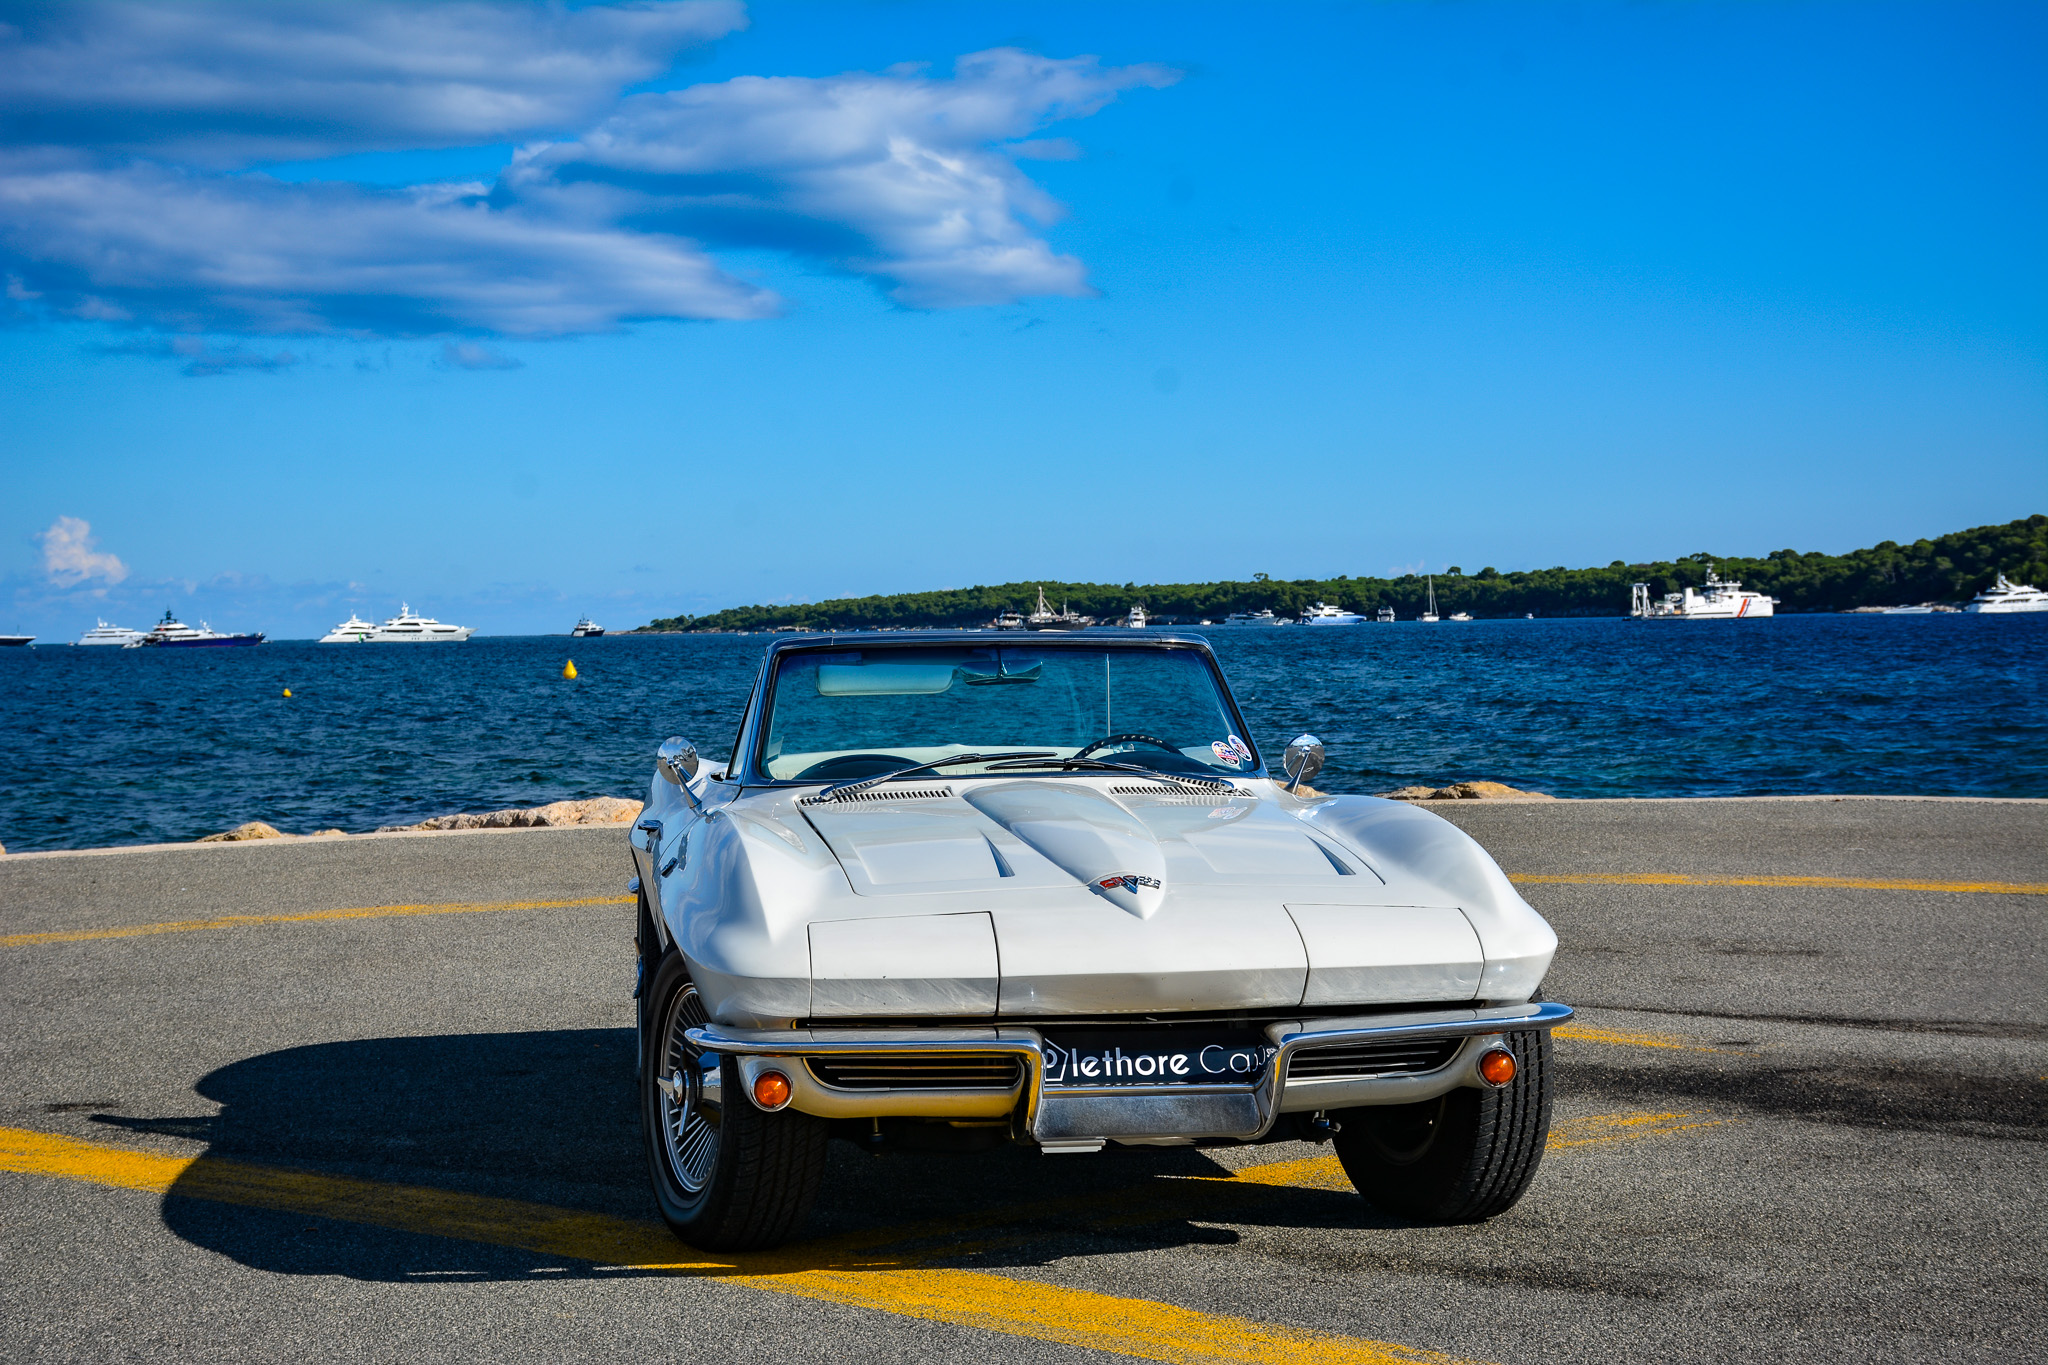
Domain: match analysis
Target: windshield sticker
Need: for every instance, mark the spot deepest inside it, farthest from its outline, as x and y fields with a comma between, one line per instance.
x=1230, y=751
x=1244, y=750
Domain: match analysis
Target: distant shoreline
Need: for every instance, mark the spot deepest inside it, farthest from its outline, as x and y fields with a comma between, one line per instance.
x=1948, y=569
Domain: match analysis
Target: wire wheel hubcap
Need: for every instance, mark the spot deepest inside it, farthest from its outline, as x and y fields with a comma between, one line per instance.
x=689, y=1119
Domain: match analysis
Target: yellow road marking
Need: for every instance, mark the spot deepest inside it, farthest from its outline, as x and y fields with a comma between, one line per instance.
x=186, y=926
x=1521, y=878
x=1591, y=1033
x=1599, y=1130
x=857, y=1277
x=1327, y=1173
x=1850, y=883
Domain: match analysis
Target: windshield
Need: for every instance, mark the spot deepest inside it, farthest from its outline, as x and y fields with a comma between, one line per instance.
x=840, y=714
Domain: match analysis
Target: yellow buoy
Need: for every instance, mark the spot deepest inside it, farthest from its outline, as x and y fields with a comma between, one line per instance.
x=287, y=691
x=569, y=669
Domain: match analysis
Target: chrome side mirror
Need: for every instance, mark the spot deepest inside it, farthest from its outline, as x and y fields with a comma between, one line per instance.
x=1303, y=760
x=676, y=760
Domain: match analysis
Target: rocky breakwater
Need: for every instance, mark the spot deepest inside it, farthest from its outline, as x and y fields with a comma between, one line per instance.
x=597, y=810
x=1467, y=791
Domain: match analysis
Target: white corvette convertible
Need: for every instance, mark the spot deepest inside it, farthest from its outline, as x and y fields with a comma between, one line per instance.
x=958, y=890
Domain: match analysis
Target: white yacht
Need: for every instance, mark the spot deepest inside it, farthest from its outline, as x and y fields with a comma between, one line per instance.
x=1323, y=614
x=354, y=631
x=2006, y=595
x=1723, y=600
x=1459, y=616
x=408, y=629
x=1384, y=616
x=104, y=634
x=586, y=629
x=1137, y=618
x=1429, y=612
x=1043, y=617
x=1252, y=618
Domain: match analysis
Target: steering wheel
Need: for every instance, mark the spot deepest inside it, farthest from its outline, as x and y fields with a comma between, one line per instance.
x=852, y=765
x=1132, y=738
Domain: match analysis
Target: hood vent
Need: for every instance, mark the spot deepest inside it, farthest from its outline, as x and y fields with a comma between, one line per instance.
x=877, y=794
x=1173, y=796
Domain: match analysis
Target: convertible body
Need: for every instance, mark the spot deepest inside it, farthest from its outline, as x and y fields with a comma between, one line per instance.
x=1072, y=953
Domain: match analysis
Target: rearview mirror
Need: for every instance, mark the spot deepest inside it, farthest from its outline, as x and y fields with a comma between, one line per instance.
x=676, y=759
x=1303, y=760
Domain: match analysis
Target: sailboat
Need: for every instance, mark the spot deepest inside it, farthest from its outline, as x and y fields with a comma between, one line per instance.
x=1429, y=612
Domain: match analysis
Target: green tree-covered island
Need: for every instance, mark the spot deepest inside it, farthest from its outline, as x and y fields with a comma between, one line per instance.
x=1950, y=568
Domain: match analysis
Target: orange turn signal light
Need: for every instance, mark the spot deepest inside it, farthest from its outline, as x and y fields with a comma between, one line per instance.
x=1497, y=1067
x=771, y=1090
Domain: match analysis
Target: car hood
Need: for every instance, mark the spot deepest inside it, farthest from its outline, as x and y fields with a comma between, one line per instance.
x=1133, y=845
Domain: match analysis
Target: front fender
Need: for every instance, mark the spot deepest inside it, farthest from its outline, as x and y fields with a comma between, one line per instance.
x=1423, y=855
x=734, y=905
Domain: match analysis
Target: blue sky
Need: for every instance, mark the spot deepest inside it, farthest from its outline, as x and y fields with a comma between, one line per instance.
x=1312, y=290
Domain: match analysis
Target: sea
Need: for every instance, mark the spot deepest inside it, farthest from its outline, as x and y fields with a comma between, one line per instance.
x=102, y=747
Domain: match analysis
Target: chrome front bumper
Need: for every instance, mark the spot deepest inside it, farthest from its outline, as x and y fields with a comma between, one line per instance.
x=1075, y=1118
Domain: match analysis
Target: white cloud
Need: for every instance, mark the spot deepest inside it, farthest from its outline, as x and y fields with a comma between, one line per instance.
x=900, y=176
x=69, y=558
x=201, y=357
x=230, y=81
x=470, y=355
x=129, y=131
x=197, y=252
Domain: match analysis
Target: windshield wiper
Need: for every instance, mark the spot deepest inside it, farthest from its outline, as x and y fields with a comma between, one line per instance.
x=1096, y=765
x=839, y=789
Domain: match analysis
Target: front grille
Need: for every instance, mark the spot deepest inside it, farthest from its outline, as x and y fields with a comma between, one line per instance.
x=918, y=1070
x=1353, y=1061
x=877, y=794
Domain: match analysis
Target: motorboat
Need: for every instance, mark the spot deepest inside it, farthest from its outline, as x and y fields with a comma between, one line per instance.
x=105, y=634
x=1136, y=619
x=1008, y=619
x=171, y=633
x=1323, y=614
x=586, y=629
x=354, y=631
x=1264, y=617
x=1460, y=616
x=409, y=629
x=1384, y=616
x=1429, y=612
x=6, y=640
x=2008, y=596
x=1722, y=600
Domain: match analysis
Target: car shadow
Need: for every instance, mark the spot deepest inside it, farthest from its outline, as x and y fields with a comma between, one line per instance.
x=551, y=1118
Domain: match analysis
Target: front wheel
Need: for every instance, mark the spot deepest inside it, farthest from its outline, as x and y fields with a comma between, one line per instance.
x=1461, y=1158
x=727, y=1176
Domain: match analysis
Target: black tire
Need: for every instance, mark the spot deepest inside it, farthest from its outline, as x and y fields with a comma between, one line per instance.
x=727, y=1177
x=1459, y=1159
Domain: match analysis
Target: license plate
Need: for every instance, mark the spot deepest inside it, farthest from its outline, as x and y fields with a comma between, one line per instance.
x=1144, y=1058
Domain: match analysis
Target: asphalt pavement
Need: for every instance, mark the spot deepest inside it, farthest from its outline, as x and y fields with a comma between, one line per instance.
x=372, y=1099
